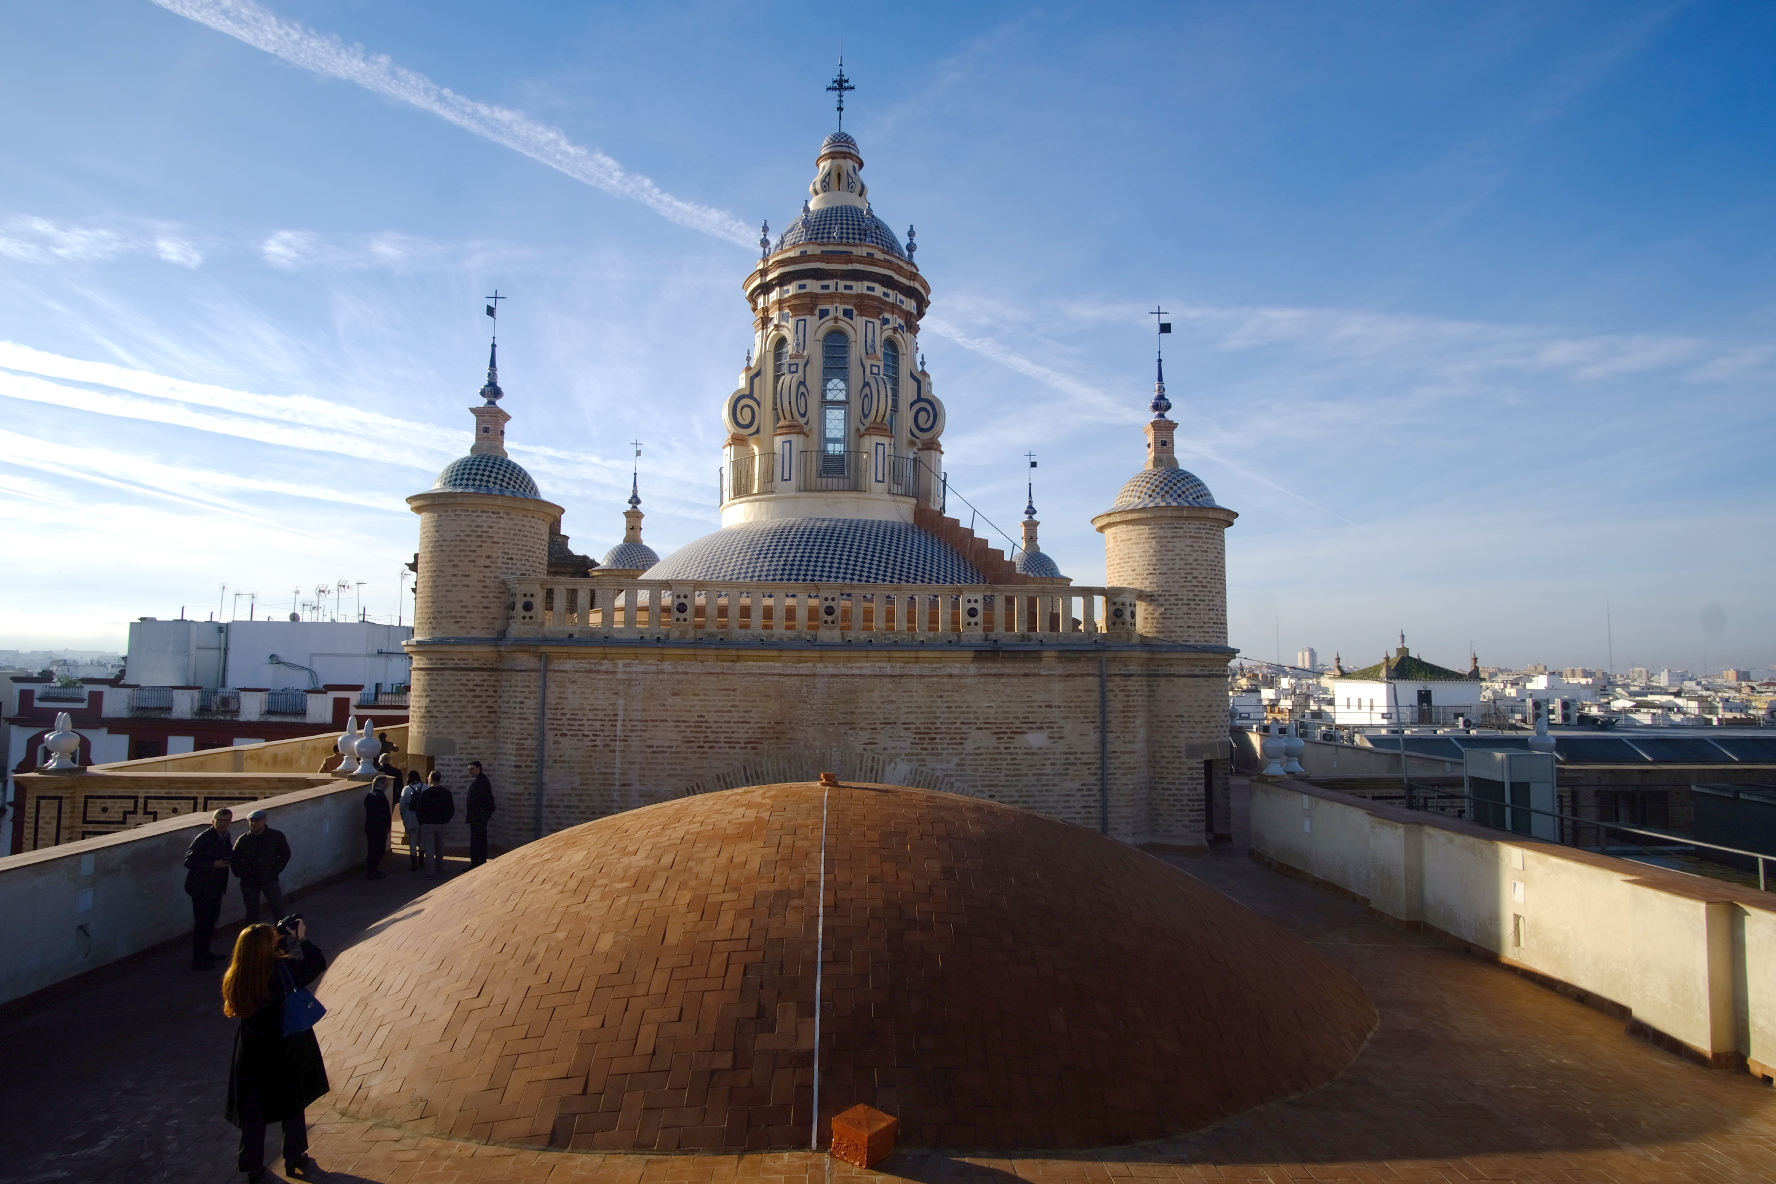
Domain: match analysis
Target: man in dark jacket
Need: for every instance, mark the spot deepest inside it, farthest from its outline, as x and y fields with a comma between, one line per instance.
x=436, y=807
x=207, y=861
x=378, y=822
x=481, y=807
x=260, y=857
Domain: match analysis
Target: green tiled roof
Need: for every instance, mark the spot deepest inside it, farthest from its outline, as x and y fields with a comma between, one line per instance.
x=1404, y=667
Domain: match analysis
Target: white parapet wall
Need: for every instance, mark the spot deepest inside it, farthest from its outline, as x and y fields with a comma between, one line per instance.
x=72, y=908
x=1690, y=959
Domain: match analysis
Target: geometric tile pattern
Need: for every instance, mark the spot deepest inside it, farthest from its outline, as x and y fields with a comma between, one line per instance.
x=629, y=557
x=819, y=550
x=487, y=473
x=1037, y=565
x=992, y=978
x=841, y=224
x=1163, y=487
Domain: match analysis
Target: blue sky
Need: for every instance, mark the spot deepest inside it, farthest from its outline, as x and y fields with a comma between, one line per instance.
x=1475, y=304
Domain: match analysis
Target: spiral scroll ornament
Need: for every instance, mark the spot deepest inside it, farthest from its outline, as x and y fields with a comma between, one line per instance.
x=927, y=416
x=742, y=413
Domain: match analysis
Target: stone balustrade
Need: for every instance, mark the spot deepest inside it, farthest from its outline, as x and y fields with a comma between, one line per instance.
x=616, y=607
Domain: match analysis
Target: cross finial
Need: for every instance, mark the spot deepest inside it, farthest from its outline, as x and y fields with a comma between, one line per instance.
x=840, y=84
x=1160, y=404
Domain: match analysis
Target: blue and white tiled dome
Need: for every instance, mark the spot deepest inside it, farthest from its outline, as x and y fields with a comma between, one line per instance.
x=837, y=139
x=629, y=557
x=819, y=550
x=841, y=224
x=1037, y=566
x=1163, y=487
x=487, y=473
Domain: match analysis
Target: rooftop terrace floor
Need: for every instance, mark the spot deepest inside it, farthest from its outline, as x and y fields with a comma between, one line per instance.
x=1474, y=1074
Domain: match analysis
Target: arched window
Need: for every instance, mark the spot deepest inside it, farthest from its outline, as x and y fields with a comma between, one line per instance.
x=891, y=380
x=835, y=399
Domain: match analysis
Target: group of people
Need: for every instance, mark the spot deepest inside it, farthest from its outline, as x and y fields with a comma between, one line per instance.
x=277, y=1071
x=426, y=807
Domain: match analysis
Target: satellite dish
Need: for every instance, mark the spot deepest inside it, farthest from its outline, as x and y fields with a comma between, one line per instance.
x=295, y=616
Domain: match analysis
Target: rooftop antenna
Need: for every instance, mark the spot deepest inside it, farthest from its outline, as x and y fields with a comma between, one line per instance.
x=1160, y=404
x=359, y=585
x=840, y=84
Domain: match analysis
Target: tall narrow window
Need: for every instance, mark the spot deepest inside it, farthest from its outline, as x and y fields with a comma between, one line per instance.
x=779, y=362
x=891, y=380
x=835, y=394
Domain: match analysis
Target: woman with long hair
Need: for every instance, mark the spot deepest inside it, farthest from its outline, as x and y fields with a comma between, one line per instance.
x=273, y=1077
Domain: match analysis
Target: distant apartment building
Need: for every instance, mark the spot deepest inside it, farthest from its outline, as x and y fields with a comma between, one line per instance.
x=1735, y=674
x=190, y=685
x=1308, y=659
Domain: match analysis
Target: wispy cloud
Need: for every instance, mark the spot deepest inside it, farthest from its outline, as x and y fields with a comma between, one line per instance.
x=31, y=239
x=325, y=54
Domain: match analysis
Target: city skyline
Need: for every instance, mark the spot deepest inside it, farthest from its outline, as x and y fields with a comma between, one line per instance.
x=1471, y=309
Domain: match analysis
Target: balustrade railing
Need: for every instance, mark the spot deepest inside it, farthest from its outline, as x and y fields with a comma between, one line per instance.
x=882, y=613
x=819, y=471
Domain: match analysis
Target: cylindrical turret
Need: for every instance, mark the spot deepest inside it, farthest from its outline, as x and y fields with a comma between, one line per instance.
x=1164, y=537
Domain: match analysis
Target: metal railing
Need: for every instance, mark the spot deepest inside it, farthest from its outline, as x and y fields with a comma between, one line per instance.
x=63, y=695
x=614, y=607
x=833, y=472
x=286, y=703
x=821, y=471
x=374, y=698
x=1493, y=812
x=151, y=699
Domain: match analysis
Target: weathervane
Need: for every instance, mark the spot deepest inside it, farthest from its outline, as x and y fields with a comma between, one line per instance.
x=1160, y=404
x=492, y=392
x=635, y=476
x=1030, y=488
x=841, y=84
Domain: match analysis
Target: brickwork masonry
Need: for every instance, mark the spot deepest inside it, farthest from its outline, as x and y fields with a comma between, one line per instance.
x=627, y=726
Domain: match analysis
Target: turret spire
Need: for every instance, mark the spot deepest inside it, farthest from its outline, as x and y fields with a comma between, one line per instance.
x=1160, y=404
x=491, y=391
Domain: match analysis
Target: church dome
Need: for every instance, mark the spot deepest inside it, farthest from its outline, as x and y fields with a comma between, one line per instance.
x=839, y=140
x=819, y=550
x=629, y=557
x=1037, y=566
x=841, y=224
x=994, y=979
x=487, y=473
x=1163, y=487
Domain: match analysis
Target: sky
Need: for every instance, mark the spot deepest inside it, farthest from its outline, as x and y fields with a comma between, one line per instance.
x=1474, y=305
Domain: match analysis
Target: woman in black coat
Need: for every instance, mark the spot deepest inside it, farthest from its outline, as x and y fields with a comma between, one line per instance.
x=274, y=1077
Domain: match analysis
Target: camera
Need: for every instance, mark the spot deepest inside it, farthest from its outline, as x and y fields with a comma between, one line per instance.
x=287, y=927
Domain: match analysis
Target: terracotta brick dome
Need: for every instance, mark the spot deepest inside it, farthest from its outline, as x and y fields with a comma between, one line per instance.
x=992, y=978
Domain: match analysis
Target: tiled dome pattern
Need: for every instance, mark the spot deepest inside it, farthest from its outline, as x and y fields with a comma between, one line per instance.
x=819, y=550
x=629, y=557
x=486, y=473
x=837, y=138
x=1038, y=566
x=1163, y=487
x=841, y=224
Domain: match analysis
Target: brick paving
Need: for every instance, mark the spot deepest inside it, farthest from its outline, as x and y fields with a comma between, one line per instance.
x=992, y=978
x=1473, y=1074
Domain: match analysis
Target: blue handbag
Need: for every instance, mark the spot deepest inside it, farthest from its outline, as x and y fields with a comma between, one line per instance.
x=301, y=1009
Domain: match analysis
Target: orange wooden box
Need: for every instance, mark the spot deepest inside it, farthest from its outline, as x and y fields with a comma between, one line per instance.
x=863, y=1135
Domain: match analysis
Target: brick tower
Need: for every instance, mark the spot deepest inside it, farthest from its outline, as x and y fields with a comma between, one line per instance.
x=1164, y=536
x=481, y=523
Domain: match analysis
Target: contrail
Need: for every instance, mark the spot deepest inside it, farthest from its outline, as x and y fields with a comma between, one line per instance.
x=246, y=21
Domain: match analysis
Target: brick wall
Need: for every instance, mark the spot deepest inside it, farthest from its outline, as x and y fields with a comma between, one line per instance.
x=1178, y=558
x=467, y=552
x=627, y=726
